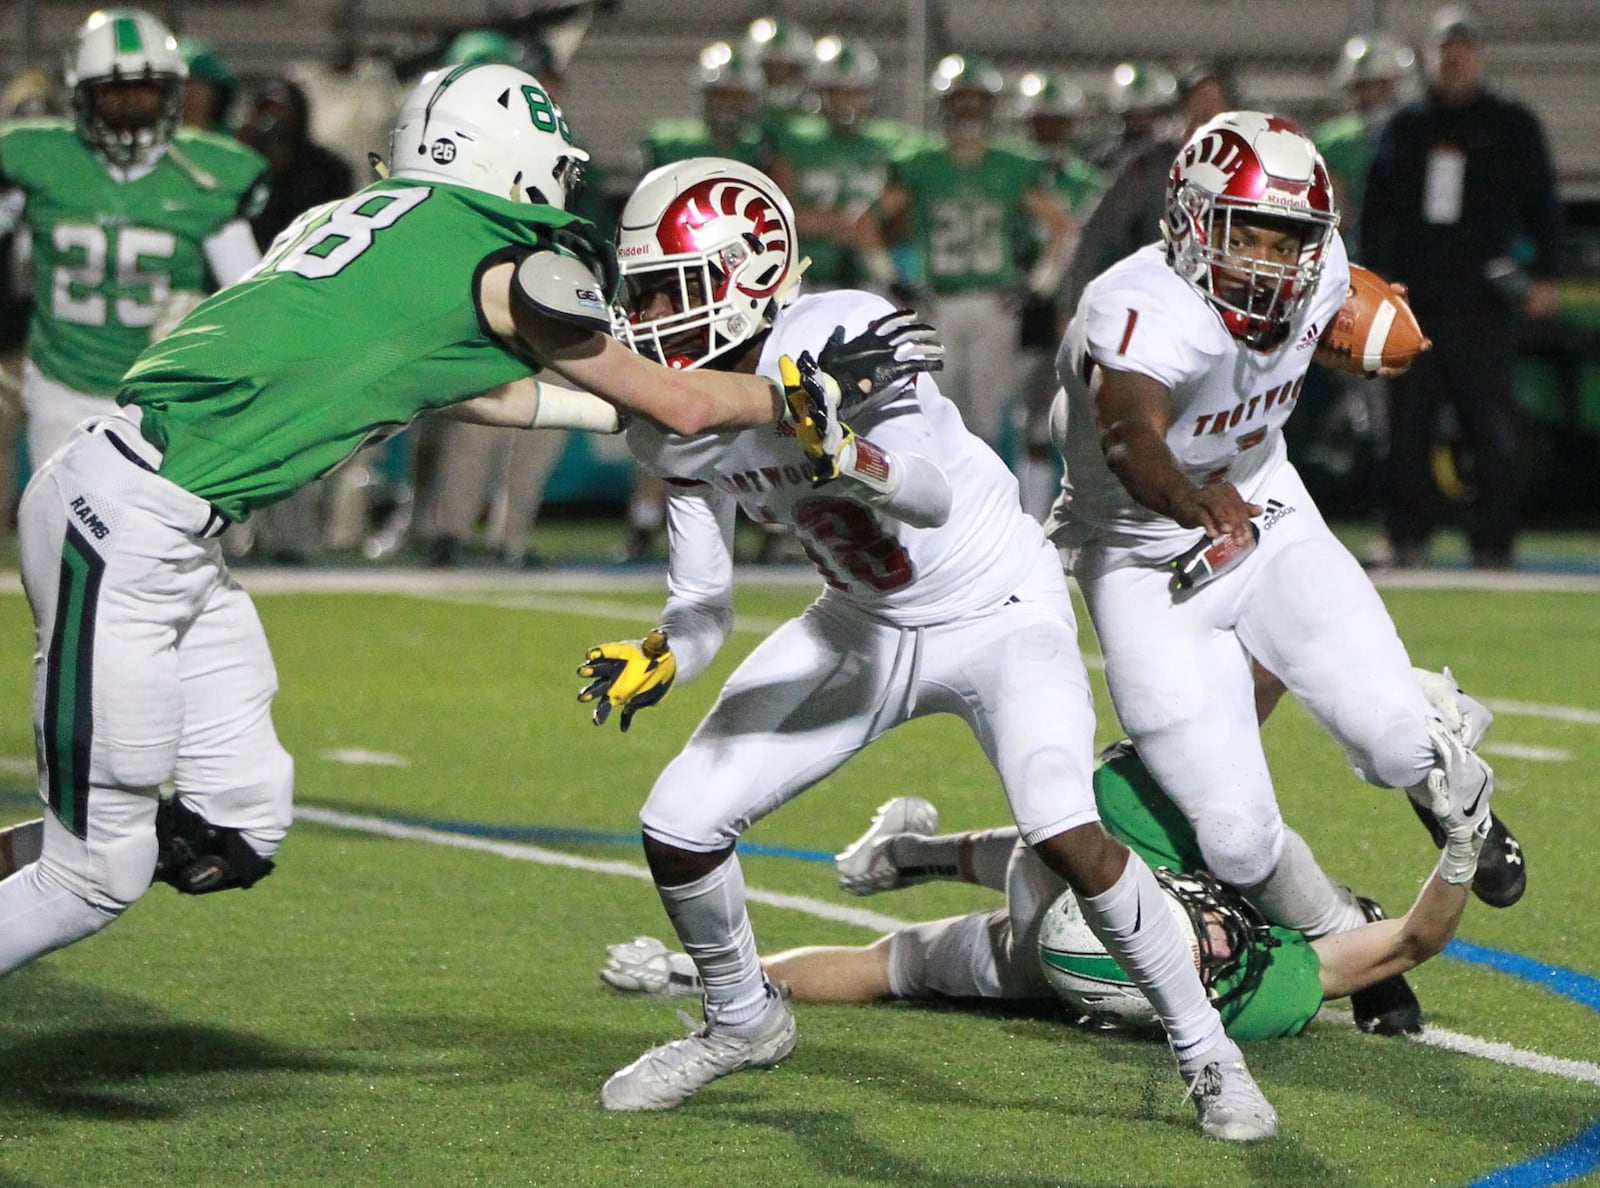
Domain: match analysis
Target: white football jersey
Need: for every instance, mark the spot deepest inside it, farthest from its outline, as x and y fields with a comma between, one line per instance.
x=908, y=576
x=1229, y=403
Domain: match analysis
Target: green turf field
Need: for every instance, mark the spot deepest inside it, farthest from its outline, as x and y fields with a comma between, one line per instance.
x=388, y=1011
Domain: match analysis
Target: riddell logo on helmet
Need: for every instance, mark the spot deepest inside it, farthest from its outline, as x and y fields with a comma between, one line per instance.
x=628, y=250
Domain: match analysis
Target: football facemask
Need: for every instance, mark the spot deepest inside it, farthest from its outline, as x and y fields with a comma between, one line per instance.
x=708, y=255
x=1255, y=169
x=127, y=77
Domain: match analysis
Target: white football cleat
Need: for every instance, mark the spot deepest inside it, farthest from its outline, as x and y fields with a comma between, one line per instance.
x=1231, y=1104
x=646, y=966
x=866, y=867
x=668, y=1075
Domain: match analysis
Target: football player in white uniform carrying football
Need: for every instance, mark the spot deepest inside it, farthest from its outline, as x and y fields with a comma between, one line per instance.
x=942, y=596
x=1179, y=368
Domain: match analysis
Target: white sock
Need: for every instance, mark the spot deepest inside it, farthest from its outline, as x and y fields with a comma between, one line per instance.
x=39, y=916
x=714, y=928
x=1299, y=895
x=1132, y=921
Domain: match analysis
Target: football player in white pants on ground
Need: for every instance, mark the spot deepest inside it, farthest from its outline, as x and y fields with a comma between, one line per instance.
x=1179, y=368
x=942, y=597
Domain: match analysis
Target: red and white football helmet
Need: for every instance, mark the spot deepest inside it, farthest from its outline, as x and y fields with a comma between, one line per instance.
x=1254, y=167
x=708, y=255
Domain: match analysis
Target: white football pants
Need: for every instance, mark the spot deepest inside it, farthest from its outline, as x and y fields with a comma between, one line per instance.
x=151, y=665
x=1179, y=671
x=826, y=684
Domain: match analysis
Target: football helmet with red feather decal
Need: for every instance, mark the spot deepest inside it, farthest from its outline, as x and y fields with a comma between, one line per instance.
x=1248, y=168
x=708, y=255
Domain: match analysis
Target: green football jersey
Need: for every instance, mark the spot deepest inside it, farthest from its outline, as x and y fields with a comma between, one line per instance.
x=968, y=221
x=106, y=253
x=362, y=315
x=837, y=170
x=680, y=139
x=1274, y=992
x=1077, y=182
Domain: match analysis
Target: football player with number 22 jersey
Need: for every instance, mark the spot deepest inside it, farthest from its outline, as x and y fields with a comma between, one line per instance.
x=442, y=288
x=941, y=596
x=1179, y=368
x=130, y=218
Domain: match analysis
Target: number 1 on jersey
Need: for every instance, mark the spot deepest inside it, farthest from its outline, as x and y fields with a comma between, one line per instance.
x=1127, y=331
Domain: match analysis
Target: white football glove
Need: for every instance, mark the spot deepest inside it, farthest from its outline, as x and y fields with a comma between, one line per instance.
x=646, y=966
x=1459, y=789
x=1465, y=717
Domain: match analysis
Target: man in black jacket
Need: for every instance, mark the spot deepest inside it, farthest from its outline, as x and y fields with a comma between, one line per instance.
x=1461, y=206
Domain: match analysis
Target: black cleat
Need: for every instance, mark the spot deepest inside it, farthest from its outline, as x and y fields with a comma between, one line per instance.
x=1389, y=1007
x=1502, y=870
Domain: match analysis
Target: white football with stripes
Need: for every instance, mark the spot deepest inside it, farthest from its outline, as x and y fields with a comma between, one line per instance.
x=1375, y=328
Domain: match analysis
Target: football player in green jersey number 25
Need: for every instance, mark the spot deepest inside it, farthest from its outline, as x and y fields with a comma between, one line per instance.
x=133, y=219
x=443, y=287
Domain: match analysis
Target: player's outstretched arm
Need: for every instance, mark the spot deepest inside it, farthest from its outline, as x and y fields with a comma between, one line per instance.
x=1458, y=791
x=682, y=402
x=531, y=403
x=1133, y=413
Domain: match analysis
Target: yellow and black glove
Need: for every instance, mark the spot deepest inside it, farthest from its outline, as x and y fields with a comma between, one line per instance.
x=627, y=676
x=813, y=399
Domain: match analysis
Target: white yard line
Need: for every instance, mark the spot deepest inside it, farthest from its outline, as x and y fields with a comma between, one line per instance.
x=1572, y=1070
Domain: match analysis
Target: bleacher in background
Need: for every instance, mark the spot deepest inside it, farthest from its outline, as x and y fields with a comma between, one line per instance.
x=636, y=61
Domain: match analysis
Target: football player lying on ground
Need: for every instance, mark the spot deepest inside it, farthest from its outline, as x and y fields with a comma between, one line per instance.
x=460, y=274
x=1266, y=981
x=941, y=596
x=1192, y=537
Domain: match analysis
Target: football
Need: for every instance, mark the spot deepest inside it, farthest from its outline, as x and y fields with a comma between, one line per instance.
x=1376, y=327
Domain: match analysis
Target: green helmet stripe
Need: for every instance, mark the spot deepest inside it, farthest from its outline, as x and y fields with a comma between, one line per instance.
x=125, y=31
x=444, y=82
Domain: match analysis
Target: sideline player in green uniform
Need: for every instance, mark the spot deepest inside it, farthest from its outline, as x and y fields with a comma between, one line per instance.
x=441, y=288
x=965, y=200
x=834, y=165
x=132, y=218
x=1266, y=981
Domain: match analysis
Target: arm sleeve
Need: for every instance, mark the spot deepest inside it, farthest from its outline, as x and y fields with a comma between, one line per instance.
x=231, y=251
x=1540, y=212
x=919, y=493
x=699, y=610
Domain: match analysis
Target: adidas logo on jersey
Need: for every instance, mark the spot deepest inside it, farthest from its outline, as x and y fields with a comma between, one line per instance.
x=1276, y=510
x=1310, y=338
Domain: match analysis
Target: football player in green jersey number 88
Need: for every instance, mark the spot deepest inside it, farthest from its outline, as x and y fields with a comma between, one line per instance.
x=132, y=219
x=440, y=288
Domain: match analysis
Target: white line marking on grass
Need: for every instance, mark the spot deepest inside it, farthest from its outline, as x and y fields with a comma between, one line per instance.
x=1535, y=709
x=1521, y=751
x=17, y=765
x=523, y=852
x=1572, y=1070
x=368, y=758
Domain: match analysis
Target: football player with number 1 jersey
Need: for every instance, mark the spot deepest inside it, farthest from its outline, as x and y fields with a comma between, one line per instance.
x=1179, y=368
x=442, y=288
x=132, y=218
x=940, y=596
